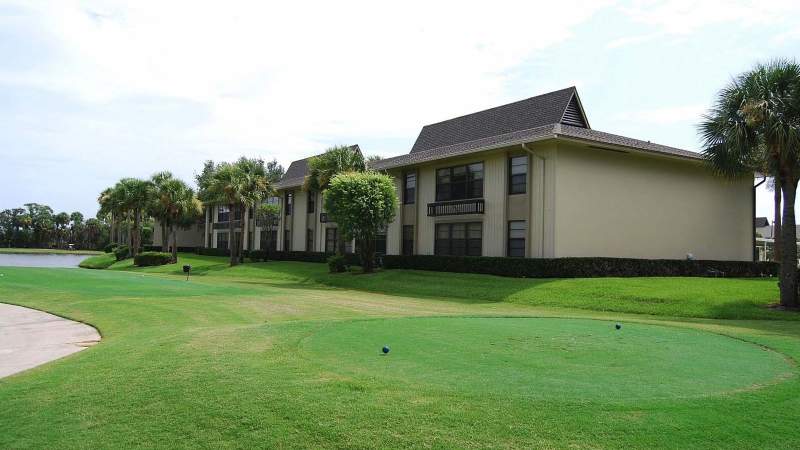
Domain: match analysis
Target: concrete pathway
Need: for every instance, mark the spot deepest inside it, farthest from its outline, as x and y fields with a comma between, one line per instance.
x=29, y=338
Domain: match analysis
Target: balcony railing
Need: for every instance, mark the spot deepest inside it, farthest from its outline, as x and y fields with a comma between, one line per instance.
x=456, y=207
x=264, y=223
x=323, y=217
x=225, y=225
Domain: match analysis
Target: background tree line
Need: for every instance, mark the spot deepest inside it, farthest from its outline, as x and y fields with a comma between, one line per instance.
x=37, y=225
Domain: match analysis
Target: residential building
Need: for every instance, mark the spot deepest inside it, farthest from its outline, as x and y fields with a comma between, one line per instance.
x=532, y=179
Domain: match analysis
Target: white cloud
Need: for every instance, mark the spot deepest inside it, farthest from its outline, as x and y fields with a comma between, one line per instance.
x=686, y=16
x=292, y=77
x=663, y=116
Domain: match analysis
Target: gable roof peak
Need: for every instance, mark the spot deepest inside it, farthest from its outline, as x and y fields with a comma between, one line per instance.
x=561, y=106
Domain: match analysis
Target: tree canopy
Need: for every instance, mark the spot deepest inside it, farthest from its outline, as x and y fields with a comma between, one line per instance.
x=361, y=204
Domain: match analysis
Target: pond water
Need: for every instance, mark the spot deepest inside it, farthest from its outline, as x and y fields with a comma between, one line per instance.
x=40, y=260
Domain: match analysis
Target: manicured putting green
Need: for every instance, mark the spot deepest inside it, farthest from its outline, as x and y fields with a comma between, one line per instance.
x=548, y=359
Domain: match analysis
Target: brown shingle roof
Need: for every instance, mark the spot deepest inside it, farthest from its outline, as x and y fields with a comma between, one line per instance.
x=525, y=114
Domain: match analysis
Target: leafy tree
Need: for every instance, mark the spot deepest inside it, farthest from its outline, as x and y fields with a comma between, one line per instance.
x=361, y=204
x=335, y=160
x=268, y=213
x=61, y=221
x=755, y=123
x=274, y=171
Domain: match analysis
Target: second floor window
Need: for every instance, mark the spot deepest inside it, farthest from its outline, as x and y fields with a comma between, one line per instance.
x=310, y=203
x=223, y=213
x=459, y=182
x=409, y=187
x=517, y=174
x=289, y=200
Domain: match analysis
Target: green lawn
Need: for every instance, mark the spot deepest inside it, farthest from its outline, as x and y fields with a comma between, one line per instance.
x=51, y=251
x=285, y=355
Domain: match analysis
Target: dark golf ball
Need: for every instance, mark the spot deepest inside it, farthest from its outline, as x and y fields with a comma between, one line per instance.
x=385, y=349
x=618, y=326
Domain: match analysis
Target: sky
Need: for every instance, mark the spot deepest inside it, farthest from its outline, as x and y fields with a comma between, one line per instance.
x=94, y=91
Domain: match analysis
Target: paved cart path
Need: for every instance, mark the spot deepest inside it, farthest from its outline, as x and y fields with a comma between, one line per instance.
x=29, y=338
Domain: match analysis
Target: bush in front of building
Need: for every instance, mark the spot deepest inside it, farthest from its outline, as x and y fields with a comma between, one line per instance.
x=109, y=248
x=337, y=264
x=122, y=252
x=212, y=251
x=581, y=267
x=145, y=259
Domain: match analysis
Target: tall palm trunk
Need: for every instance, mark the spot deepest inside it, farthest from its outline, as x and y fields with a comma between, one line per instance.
x=245, y=232
x=232, y=246
x=776, y=223
x=788, y=275
x=174, y=242
x=136, y=236
x=164, y=236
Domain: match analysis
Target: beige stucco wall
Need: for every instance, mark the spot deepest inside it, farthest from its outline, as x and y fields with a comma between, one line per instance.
x=299, y=217
x=632, y=205
x=191, y=237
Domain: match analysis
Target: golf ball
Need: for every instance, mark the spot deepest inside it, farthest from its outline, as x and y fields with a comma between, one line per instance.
x=618, y=326
x=385, y=349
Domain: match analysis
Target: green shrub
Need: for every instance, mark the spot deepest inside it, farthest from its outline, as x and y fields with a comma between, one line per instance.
x=258, y=255
x=98, y=262
x=581, y=267
x=337, y=264
x=212, y=251
x=109, y=248
x=122, y=252
x=152, y=259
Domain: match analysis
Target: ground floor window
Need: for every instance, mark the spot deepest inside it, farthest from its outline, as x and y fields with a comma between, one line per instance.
x=269, y=240
x=287, y=240
x=459, y=239
x=309, y=240
x=408, y=240
x=222, y=240
x=516, y=238
x=380, y=242
x=330, y=240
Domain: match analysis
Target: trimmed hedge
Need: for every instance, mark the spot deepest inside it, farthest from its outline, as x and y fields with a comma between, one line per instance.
x=581, y=267
x=212, y=251
x=350, y=259
x=337, y=264
x=152, y=259
x=157, y=248
x=122, y=252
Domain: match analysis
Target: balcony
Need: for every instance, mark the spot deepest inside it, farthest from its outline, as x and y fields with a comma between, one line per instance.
x=264, y=223
x=226, y=225
x=456, y=207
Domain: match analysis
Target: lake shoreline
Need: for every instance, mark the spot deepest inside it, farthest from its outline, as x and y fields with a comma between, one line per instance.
x=47, y=251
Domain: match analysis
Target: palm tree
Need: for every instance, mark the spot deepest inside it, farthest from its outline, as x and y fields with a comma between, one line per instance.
x=335, y=160
x=255, y=186
x=135, y=197
x=158, y=210
x=224, y=186
x=755, y=123
x=181, y=206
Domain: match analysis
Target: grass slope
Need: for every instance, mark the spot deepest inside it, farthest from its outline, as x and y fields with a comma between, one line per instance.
x=271, y=355
x=676, y=297
x=101, y=261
